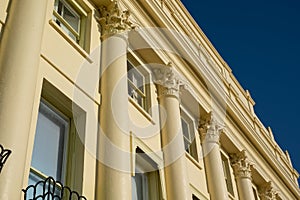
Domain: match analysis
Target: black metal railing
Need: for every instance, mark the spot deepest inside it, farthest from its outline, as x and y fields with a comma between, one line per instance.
x=49, y=189
x=4, y=154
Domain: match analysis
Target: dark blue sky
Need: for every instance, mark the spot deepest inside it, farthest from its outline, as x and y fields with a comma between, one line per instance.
x=260, y=41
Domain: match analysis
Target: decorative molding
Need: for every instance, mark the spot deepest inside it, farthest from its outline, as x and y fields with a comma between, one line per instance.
x=113, y=20
x=267, y=192
x=241, y=165
x=210, y=129
x=169, y=81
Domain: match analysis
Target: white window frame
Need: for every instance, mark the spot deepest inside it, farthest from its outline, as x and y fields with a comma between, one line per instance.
x=136, y=90
x=61, y=21
x=191, y=139
x=135, y=64
x=227, y=169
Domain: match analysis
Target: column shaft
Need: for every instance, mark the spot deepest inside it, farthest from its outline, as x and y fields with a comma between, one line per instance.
x=245, y=190
x=214, y=172
x=114, y=171
x=113, y=167
x=19, y=62
x=177, y=184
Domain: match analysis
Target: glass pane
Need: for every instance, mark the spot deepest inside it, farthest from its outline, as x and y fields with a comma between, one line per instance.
x=71, y=18
x=186, y=145
x=193, y=150
x=132, y=91
x=48, y=148
x=136, y=77
x=185, y=128
x=129, y=66
x=195, y=198
x=66, y=30
x=140, y=100
x=138, y=187
x=58, y=7
x=133, y=188
x=226, y=169
x=33, y=179
x=135, y=94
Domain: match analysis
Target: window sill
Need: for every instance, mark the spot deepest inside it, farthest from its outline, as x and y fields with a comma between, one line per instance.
x=71, y=41
x=193, y=160
x=142, y=111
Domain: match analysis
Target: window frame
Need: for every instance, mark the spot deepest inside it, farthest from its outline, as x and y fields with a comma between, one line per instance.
x=59, y=18
x=136, y=88
x=75, y=147
x=135, y=63
x=192, y=149
x=79, y=8
x=228, y=174
x=55, y=113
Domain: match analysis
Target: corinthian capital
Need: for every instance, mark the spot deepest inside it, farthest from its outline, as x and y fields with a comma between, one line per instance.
x=169, y=80
x=241, y=165
x=210, y=129
x=113, y=20
x=267, y=192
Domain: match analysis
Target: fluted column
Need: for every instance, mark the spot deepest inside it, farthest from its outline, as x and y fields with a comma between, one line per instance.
x=168, y=85
x=19, y=62
x=267, y=192
x=210, y=131
x=241, y=166
x=113, y=167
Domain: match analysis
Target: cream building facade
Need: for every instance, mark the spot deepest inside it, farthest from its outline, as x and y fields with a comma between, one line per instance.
x=127, y=100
